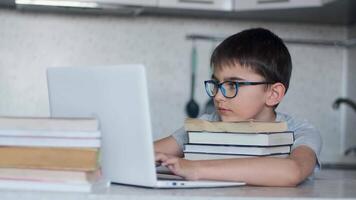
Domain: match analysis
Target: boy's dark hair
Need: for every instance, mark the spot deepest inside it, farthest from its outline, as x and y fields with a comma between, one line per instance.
x=259, y=49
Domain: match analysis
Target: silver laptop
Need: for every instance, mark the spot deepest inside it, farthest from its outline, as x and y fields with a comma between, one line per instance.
x=118, y=96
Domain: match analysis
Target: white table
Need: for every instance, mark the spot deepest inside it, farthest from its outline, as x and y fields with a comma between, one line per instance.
x=328, y=184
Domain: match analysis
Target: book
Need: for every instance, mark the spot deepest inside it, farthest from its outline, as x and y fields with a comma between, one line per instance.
x=242, y=126
x=240, y=150
x=51, y=186
x=206, y=156
x=243, y=139
x=50, y=133
x=80, y=159
x=47, y=123
x=50, y=142
x=54, y=176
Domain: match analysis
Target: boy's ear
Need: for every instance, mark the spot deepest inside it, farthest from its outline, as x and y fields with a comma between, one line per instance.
x=275, y=94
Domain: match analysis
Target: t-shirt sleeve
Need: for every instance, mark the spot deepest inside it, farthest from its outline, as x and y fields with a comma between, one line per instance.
x=181, y=135
x=306, y=134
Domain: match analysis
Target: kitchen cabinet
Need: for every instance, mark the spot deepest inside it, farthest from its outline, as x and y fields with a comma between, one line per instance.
x=241, y=5
x=220, y=5
x=338, y=12
x=128, y=2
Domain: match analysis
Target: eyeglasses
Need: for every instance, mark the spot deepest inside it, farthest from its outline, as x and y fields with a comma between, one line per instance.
x=228, y=89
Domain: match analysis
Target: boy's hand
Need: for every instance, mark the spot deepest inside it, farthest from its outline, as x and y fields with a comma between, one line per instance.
x=159, y=157
x=181, y=167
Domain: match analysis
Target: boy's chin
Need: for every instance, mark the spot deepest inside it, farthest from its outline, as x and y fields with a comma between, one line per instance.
x=230, y=119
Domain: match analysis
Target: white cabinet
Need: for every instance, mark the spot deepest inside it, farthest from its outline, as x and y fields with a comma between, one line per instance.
x=240, y=5
x=223, y=5
x=128, y=2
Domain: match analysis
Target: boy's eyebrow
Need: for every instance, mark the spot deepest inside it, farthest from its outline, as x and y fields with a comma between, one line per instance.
x=233, y=78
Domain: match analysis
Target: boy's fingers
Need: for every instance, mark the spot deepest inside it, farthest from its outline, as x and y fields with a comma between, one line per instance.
x=170, y=161
x=159, y=157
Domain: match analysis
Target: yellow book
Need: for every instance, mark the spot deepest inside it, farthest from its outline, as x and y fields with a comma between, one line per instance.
x=78, y=159
x=198, y=125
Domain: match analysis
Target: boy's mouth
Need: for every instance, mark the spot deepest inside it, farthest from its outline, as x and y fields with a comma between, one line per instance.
x=223, y=110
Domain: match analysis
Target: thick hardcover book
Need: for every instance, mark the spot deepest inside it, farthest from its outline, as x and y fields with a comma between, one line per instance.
x=207, y=156
x=198, y=125
x=50, y=133
x=44, y=123
x=50, y=142
x=54, y=176
x=51, y=186
x=243, y=139
x=80, y=159
x=241, y=150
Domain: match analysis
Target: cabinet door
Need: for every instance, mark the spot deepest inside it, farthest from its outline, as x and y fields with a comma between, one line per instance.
x=129, y=2
x=276, y=4
x=224, y=5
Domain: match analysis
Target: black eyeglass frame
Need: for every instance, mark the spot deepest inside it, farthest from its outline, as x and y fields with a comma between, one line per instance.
x=237, y=85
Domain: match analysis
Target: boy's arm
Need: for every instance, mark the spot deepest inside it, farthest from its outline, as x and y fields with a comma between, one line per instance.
x=266, y=171
x=168, y=145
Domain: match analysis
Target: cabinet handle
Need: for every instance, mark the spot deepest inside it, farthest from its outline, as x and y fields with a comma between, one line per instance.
x=271, y=1
x=197, y=1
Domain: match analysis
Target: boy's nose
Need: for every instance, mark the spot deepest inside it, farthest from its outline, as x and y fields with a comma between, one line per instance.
x=219, y=96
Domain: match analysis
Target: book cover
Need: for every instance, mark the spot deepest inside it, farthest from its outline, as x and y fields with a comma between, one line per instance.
x=243, y=139
x=80, y=159
x=242, y=126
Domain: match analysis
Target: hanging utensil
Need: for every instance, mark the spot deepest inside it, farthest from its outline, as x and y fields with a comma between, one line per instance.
x=209, y=105
x=192, y=108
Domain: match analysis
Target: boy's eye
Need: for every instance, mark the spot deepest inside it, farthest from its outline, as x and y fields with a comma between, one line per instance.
x=230, y=85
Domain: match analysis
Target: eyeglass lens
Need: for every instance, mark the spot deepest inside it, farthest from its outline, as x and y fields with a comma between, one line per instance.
x=228, y=88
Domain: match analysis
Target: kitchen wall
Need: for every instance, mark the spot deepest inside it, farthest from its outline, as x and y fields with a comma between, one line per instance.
x=349, y=115
x=31, y=42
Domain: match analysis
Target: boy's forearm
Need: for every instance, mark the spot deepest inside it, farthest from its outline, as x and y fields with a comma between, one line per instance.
x=263, y=171
x=254, y=171
x=168, y=145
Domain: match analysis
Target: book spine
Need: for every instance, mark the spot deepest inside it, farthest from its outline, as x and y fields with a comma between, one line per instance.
x=49, y=158
x=51, y=134
x=50, y=142
x=59, y=124
x=285, y=138
x=236, y=154
x=244, y=151
x=44, y=186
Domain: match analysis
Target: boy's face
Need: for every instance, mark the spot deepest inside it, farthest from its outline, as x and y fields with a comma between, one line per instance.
x=250, y=100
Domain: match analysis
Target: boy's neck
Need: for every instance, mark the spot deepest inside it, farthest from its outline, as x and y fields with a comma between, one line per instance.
x=268, y=115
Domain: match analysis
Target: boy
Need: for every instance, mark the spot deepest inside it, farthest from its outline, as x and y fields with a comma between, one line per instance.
x=251, y=72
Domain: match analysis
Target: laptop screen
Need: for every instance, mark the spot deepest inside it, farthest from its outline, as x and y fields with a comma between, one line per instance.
x=118, y=97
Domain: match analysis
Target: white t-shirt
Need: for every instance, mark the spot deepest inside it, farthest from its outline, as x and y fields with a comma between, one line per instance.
x=304, y=133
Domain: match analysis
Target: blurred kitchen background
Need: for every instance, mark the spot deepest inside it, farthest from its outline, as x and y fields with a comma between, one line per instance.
x=320, y=34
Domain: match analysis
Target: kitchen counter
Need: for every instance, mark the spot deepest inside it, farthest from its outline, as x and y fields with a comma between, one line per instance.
x=327, y=184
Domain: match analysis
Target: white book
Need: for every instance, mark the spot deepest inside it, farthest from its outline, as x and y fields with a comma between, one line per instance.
x=243, y=139
x=49, y=133
x=50, y=142
x=206, y=156
x=53, y=176
x=49, y=186
x=49, y=123
x=239, y=150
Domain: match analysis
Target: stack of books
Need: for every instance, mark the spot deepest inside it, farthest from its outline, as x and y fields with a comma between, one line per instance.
x=222, y=140
x=56, y=154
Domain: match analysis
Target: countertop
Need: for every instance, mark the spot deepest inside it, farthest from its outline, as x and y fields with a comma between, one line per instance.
x=327, y=184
